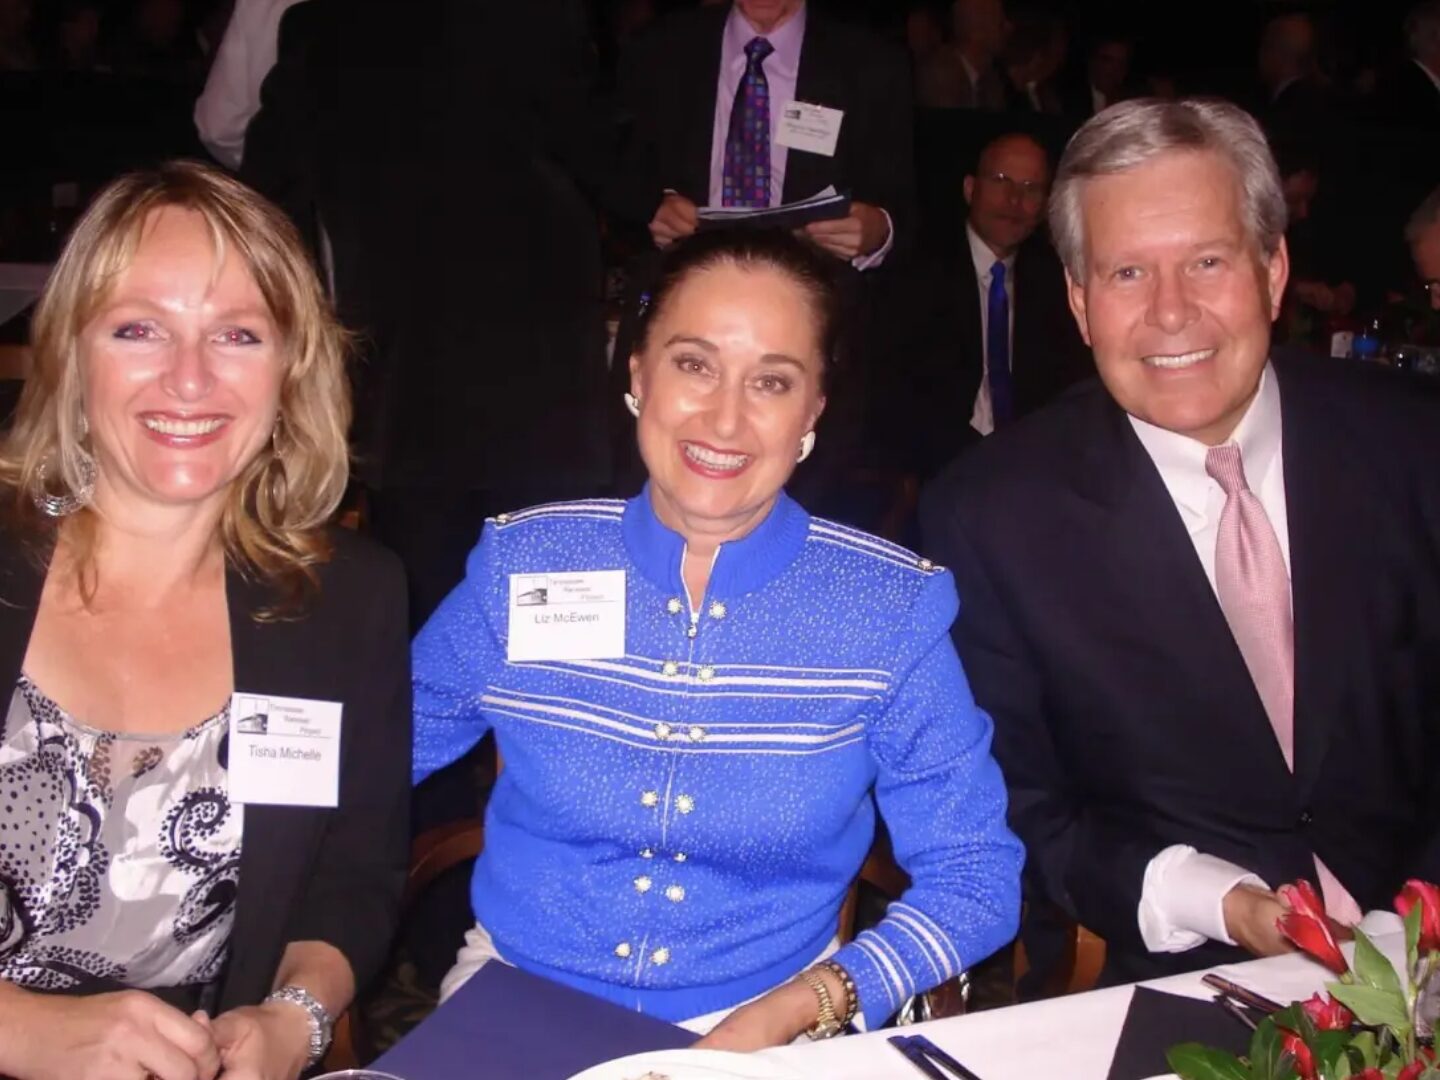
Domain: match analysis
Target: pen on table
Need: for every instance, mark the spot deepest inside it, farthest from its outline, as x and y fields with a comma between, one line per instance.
x=915, y=1057
x=942, y=1057
x=1228, y=1004
x=1240, y=993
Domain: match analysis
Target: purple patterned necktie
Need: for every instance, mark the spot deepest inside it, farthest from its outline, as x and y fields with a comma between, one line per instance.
x=747, y=146
x=1254, y=591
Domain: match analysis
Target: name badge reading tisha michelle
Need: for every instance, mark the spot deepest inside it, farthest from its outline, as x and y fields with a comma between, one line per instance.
x=284, y=751
x=579, y=616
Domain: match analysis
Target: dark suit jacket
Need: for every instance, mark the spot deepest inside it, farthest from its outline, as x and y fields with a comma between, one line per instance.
x=932, y=359
x=1125, y=719
x=306, y=874
x=669, y=84
x=443, y=144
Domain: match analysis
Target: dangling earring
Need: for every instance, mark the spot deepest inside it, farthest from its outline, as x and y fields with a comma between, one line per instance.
x=807, y=444
x=57, y=506
x=633, y=404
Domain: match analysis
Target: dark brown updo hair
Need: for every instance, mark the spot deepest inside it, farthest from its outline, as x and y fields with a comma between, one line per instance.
x=775, y=249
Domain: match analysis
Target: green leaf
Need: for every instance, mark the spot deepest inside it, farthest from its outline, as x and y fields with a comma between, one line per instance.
x=1367, y=1048
x=1329, y=1050
x=1268, y=1059
x=1412, y=939
x=1191, y=1061
x=1373, y=969
x=1376, y=1008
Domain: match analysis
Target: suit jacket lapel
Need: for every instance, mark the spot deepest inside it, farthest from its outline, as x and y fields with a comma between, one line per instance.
x=817, y=82
x=965, y=295
x=278, y=840
x=1155, y=563
x=708, y=49
x=1326, y=548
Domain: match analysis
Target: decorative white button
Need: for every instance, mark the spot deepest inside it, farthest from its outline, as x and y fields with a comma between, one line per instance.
x=673, y=606
x=680, y=856
x=642, y=884
x=717, y=610
x=675, y=893
x=706, y=674
x=691, y=630
x=697, y=734
x=646, y=853
x=502, y=519
x=660, y=956
x=684, y=803
x=926, y=565
x=650, y=798
x=622, y=950
x=670, y=668
x=662, y=731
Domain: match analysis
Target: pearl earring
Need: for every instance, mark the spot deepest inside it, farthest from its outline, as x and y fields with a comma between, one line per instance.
x=633, y=404
x=807, y=444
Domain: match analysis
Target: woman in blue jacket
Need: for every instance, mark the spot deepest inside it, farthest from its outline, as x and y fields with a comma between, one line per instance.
x=691, y=740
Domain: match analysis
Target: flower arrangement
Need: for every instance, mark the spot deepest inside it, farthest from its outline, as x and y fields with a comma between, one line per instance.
x=1369, y=1026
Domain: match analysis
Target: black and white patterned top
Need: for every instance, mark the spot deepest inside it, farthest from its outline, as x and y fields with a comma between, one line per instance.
x=119, y=854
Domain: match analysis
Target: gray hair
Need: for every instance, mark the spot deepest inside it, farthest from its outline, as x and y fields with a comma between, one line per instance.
x=1422, y=28
x=1425, y=218
x=1129, y=134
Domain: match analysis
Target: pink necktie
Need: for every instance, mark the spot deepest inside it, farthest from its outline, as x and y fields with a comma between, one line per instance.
x=1255, y=596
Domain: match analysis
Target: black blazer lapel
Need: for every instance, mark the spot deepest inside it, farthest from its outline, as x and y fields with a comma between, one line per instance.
x=1160, y=579
x=1326, y=548
x=819, y=82
x=965, y=298
x=22, y=578
x=696, y=110
x=279, y=841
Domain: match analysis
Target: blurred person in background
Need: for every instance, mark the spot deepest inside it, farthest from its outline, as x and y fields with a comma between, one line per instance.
x=17, y=49
x=231, y=97
x=981, y=29
x=1423, y=235
x=1106, y=75
x=1293, y=95
x=1033, y=59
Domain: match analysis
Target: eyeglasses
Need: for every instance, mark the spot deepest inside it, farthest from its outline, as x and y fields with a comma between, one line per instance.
x=1029, y=190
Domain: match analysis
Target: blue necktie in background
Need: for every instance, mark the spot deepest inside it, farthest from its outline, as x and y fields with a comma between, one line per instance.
x=747, y=145
x=997, y=348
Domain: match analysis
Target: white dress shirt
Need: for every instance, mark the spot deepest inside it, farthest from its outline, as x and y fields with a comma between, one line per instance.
x=1182, y=897
x=231, y=97
x=982, y=417
x=782, y=72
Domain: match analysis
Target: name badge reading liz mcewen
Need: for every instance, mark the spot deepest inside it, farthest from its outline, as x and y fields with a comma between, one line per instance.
x=284, y=751
x=815, y=128
x=577, y=616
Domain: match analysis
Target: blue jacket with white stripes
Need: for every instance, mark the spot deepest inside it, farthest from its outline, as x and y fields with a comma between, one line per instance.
x=675, y=829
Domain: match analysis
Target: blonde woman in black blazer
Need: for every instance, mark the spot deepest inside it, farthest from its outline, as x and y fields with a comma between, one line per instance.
x=165, y=491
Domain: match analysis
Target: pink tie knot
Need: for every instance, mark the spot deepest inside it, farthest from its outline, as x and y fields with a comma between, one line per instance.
x=1225, y=466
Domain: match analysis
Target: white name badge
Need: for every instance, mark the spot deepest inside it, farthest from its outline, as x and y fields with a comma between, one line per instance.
x=577, y=616
x=284, y=751
x=815, y=128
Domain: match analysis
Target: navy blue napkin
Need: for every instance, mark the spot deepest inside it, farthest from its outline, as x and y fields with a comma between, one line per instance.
x=1157, y=1021
x=505, y=1023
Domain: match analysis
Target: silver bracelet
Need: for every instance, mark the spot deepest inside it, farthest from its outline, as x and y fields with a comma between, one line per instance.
x=322, y=1027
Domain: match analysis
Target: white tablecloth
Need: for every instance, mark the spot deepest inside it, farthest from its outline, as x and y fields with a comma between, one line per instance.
x=1073, y=1037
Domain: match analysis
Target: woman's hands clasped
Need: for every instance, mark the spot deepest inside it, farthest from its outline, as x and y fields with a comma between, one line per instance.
x=263, y=1042
x=130, y=1035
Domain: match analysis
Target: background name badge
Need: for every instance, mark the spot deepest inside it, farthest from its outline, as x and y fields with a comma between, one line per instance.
x=284, y=751
x=567, y=616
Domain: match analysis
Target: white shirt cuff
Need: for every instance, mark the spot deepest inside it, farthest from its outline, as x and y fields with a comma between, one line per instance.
x=1182, y=900
x=876, y=257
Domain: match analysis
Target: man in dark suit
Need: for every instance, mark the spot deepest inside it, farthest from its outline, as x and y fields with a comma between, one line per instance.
x=692, y=80
x=448, y=187
x=1201, y=598
x=978, y=330
x=1292, y=98
x=1410, y=95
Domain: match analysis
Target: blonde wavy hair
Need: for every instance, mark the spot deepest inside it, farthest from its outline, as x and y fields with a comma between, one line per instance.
x=272, y=525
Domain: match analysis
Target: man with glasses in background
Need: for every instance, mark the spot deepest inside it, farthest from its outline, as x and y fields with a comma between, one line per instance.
x=983, y=335
x=1423, y=236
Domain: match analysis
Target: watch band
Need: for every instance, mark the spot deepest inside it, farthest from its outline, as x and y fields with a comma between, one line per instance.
x=827, y=1023
x=321, y=1025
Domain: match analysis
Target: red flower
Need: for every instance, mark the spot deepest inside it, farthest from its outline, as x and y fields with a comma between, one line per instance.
x=1371, y=1073
x=1410, y=1072
x=1307, y=927
x=1304, y=1061
x=1328, y=1014
x=1428, y=897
